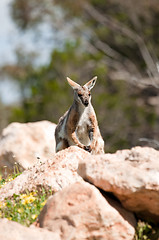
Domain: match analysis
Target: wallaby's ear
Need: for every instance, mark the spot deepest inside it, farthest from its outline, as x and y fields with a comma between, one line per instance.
x=73, y=84
x=91, y=83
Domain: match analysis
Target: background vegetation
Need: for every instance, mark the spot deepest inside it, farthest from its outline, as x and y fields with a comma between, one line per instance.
x=117, y=40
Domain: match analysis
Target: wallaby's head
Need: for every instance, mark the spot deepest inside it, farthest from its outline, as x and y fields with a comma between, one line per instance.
x=82, y=94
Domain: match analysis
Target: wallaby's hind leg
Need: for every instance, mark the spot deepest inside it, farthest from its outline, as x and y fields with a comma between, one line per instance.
x=62, y=144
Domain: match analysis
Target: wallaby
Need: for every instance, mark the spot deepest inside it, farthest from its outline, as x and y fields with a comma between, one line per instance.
x=79, y=126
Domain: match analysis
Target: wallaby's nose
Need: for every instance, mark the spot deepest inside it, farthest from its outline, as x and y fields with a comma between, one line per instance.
x=86, y=103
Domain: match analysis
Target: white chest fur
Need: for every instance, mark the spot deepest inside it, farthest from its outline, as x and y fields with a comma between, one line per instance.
x=82, y=128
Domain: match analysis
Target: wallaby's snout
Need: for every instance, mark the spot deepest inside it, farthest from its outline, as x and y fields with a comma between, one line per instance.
x=84, y=96
x=86, y=103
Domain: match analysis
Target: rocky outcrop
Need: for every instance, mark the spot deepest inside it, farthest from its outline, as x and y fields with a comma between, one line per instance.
x=81, y=212
x=11, y=230
x=131, y=175
x=52, y=174
x=26, y=144
x=77, y=210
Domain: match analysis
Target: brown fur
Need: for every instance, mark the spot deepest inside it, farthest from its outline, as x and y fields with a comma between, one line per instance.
x=95, y=146
x=79, y=126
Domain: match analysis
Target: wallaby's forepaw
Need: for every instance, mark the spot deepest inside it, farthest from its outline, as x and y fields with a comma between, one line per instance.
x=87, y=148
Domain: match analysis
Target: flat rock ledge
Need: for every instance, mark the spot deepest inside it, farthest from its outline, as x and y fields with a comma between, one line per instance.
x=54, y=174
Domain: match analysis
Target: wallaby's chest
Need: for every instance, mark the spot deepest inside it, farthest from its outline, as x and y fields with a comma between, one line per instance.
x=82, y=130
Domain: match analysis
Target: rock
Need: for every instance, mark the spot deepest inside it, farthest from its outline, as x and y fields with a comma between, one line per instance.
x=80, y=212
x=131, y=175
x=52, y=174
x=10, y=230
x=23, y=143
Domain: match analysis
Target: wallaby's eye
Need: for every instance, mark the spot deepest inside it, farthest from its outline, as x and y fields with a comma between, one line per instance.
x=80, y=95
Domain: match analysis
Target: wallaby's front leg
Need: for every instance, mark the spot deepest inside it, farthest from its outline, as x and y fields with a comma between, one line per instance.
x=93, y=131
x=78, y=143
x=71, y=126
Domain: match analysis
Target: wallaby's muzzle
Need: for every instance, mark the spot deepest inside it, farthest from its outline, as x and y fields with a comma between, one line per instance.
x=86, y=103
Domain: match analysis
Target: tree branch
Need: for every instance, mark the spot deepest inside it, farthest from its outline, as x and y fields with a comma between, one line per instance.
x=124, y=30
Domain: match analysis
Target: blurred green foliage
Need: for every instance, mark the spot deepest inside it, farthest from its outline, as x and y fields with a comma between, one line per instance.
x=146, y=231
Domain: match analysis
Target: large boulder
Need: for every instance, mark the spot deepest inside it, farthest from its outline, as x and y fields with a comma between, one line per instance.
x=10, y=230
x=80, y=212
x=131, y=175
x=53, y=174
x=26, y=143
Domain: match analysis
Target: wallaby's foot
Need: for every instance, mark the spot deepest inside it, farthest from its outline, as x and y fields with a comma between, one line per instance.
x=87, y=148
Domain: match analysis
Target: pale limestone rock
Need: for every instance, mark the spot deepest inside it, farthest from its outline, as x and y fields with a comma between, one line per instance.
x=54, y=174
x=10, y=230
x=25, y=143
x=80, y=212
x=131, y=175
